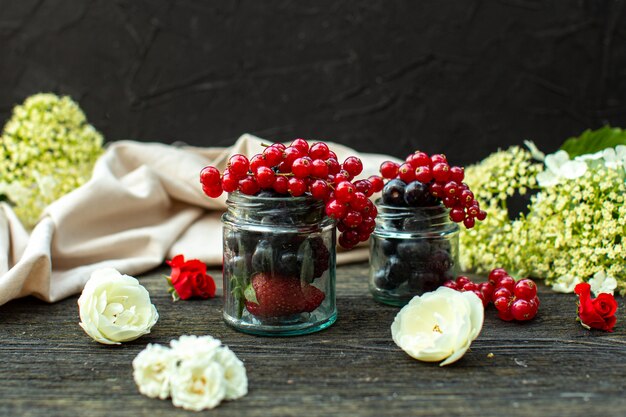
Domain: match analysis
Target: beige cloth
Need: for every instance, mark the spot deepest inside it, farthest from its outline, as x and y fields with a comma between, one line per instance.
x=144, y=203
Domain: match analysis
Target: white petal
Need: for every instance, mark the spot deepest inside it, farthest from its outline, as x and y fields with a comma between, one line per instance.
x=534, y=151
x=573, y=169
x=555, y=160
x=547, y=179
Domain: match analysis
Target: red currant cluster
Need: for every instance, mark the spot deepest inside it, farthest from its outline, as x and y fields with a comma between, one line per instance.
x=298, y=169
x=513, y=300
x=484, y=290
x=444, y=182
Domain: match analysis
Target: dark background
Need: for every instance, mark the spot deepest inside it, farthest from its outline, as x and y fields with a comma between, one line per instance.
x=460, y=77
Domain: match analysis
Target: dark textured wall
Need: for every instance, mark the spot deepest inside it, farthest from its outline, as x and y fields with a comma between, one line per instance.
x=463, y=77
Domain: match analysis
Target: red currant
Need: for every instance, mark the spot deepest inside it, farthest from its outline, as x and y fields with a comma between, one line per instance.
x=525, y=289
x=353, y=165
x=249, y=186
x=297, y=186
x=505, y=315
x=336, y=209
x=441, y=172
x=344, y=191
x=419, y=159
x=451, y=189
x=450, y=284
x=457, y=215
x=438, y=158
x=359, y=201
x=377, y=183
x=469, y=222
x=301, y=144
x=273, y=155
x=353, y=218
x=507, y=282
x=436, y=190
x=319, y=150
x=522, y=310
x=365, y=187
x=212, y=190
x=265, y=177
x=290, y=154
x=502, y=292
x=496, y=274
x=301, y=167
x=333, y=166
x=462, y=280
x=281, y=184
x=256, y=162
x=319, y=168
x=389, y=169
x=320, y=190
x=229, y=184
x=209, y=176
x=482, y=215
x=406, y=173
x=238, y=166
x=423, y=174
x=501, y=303
x=457, y=174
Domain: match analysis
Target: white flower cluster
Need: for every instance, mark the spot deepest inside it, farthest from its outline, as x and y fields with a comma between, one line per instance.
x=197, y=372
x=559, y=167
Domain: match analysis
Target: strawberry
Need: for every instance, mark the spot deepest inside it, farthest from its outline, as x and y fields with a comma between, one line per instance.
x=278, y=296
x=313, y=297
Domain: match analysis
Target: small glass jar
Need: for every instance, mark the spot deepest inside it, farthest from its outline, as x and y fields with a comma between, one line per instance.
x=413, y=250
x=279, y=265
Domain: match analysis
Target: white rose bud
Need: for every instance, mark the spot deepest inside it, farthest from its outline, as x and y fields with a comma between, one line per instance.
x=197, y=384
x=438, y=325
x=115, y=308
x=190, y=347
x=152, y=369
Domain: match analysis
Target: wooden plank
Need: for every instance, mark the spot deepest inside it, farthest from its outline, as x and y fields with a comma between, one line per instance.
x=550, y=366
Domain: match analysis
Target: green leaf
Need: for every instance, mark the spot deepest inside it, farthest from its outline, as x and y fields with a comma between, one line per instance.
x=592, y=141
x=250, y=294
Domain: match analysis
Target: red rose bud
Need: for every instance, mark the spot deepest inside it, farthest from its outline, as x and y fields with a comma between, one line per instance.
x=596, y=313
x=189, y=279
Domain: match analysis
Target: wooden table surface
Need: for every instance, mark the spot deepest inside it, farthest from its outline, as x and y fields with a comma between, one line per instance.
x=549, y=366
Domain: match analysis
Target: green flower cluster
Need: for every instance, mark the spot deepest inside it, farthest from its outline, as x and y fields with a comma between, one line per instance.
x=47, y=149
x=574, y=228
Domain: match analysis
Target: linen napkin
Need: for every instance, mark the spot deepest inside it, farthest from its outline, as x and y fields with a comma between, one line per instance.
x=142, y=205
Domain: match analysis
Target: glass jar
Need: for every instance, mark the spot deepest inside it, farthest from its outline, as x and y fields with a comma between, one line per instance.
x=413, y=250
x=279, y=265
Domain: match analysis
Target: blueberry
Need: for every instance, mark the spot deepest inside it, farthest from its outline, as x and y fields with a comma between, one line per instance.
x=262, y=258
x=416, y=194
x=288, y=264
x=382, y=282
x=413, y=251
x=387, y=246
x=393, y=193
x=397, y=270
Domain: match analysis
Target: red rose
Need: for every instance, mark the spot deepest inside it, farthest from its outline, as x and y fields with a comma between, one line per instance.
x=189, y=279
x=597, y=313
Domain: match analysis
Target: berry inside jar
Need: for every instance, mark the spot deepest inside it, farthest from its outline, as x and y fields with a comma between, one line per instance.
x=414, y=248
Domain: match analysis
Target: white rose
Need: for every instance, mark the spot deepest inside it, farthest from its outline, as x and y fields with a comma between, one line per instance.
x=438, y=325
x=152, y=370
x=197, y=384
x=234, y=373
x=190, y=347
x=115, y=308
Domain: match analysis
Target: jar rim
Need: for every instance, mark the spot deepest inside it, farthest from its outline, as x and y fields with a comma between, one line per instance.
x=389, y=208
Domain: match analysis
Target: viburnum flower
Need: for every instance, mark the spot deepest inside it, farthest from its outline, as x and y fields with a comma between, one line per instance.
x=602, y=283
x=189, y=279
x=559, y=167
x=115, y=308
x=47, y=149
x=596, y=313
x=439, y=325
x=152, y=369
